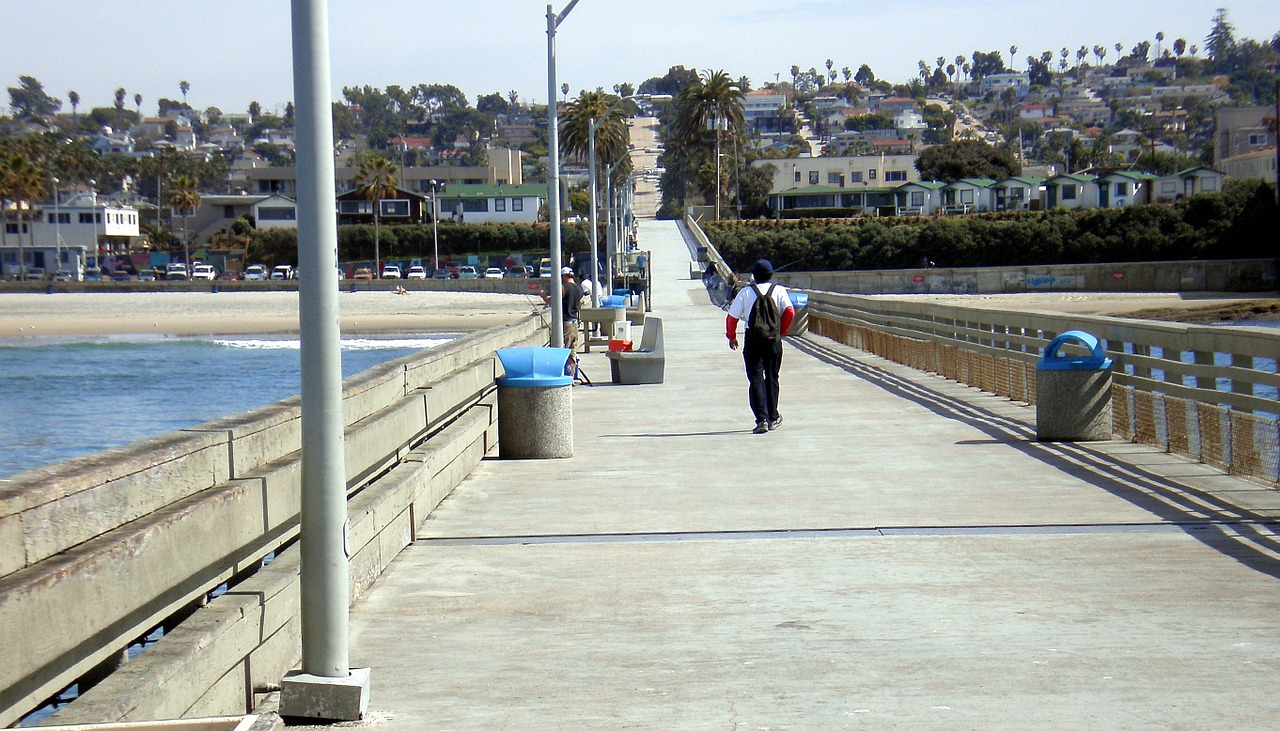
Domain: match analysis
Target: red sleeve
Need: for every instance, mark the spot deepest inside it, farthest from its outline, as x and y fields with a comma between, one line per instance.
x=788, y=315
x=731, y=327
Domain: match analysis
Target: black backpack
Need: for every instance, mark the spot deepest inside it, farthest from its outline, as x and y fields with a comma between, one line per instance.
x=765, y=322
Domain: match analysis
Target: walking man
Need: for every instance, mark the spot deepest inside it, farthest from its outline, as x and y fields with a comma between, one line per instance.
x=768, y=312
x=570, y=304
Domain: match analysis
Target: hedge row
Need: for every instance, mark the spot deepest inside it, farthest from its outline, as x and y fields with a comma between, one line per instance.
x=1240, y=222
x=355, y=243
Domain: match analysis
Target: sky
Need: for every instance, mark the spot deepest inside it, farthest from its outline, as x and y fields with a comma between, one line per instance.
x=233, y=52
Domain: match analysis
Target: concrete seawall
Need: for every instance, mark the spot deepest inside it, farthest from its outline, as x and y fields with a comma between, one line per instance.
x=97, y=551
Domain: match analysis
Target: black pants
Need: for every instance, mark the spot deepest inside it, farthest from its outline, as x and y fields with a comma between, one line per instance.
x=763, y=361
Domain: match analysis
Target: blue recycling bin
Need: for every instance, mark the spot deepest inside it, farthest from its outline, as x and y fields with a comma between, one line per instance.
x=1073, y=392
x=800, y=324
x=535, y=404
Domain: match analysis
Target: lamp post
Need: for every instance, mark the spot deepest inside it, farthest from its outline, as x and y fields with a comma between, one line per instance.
x=435, y=188
x=97, y=258
x=553, y=174
x=57, y=227
x=592, y=124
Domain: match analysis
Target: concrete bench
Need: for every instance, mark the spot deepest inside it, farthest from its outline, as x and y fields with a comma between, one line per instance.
x=643, y=365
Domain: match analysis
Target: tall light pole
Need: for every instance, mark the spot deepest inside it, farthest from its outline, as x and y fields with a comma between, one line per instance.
x=435, y=188
x=553, y=174
x=57, y=227
x=327, y=687
x=97, y=258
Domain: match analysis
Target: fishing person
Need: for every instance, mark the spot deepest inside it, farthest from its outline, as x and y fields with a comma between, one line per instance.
x=768, y=314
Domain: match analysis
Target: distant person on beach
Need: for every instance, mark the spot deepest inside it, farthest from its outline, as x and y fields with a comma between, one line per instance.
x=768, y=313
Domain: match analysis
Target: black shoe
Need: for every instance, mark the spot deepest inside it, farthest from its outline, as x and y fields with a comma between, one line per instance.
x=775, y=423
x=761, y=427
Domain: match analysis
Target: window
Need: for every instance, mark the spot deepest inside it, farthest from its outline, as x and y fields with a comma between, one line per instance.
x=1017, y=194
x=86, y=218
x=1068, y=192
x=60, y=217
x=835, y=179
x=1257, y=140
x=475, y=205
x=966, y=197
x=1208, y=184
x=1121, y=190
x=855, y=177
x=355, y=208
x=917, y=199
x=277, y=214
x=797, y=176
x=393, y=208
x=813, y=177
x=499, y=205
x=228, y=211
x=1168, y=186
x=871, y=174
x=517, y=204
x=898, y=176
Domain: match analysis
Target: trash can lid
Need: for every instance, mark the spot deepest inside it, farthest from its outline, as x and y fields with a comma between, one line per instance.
x=1097, y=359
x=799, y=299
x=613, y=300
x=534, y=367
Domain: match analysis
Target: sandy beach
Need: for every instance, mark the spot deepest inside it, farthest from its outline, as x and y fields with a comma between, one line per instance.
x=247, y=313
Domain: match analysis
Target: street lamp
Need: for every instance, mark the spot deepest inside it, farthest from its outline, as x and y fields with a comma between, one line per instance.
x=553, y=174
x=57, y=227
x=436, y=188
x=97, y=252
x=592, y=124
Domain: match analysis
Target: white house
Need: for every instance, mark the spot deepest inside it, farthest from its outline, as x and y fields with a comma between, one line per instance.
x=1123, y=188
x=969, y=195
x=1191, y=182
x=66, y=234
x=492, y=203
x=1017, y=193
x=853, y=173
x=920, y=198
x=1074, y=191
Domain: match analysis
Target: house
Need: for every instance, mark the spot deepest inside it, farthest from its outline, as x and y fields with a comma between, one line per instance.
x=1035, y=111
x=1019, y=81
x=1019, y=193
x=403, y=207
x=1260, y=163
x=919, y=199
x=1074, y=191
x=1193, y=181
x=765, y=111
x=70, y=233
x=854, y=172
x=492, y=203
x=894, y=104
x=1241, y=130
x=1123, y=188
x=504, y=167
x=969, y=195
x=865, y=201
x=217, y=212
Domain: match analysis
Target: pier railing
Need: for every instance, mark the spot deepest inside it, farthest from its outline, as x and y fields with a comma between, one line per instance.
x=99, y=551
x=1206, y=392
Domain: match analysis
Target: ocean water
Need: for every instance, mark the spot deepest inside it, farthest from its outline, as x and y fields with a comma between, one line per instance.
x=64, y=397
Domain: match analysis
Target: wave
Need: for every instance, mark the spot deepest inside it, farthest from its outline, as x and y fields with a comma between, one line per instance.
x=348, y=344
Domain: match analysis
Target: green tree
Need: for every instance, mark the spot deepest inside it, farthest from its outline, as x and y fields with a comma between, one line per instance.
x=29, y=100
x=612, y=134
x=74, y=98
x=706, y=112
x=375, y=180
x=184, y=87
x=1221, y=42
x=966, y=159
x=184, y=197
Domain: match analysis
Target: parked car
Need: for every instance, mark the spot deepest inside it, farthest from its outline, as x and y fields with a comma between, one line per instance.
x=255, y=273
x=146, y=275
x=515, y=273
x=92, y=274
x=441, y=273
x=467, y=272
x=62, y=275
x=545, y=271
x=362, y=273
x=204, y=272
x=282, y=271
x=493, y=273
x=174, y=272
x=391, y=271
x=35, y=274
x=121, y=275
x=416, y=272
x=228, y=277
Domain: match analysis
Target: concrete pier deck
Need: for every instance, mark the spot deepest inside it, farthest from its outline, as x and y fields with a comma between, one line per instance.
x=901, y=553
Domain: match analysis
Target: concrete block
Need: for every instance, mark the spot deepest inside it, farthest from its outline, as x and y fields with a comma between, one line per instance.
x=13, y=552
x=535, y=423
x=332, y=699
x=1073, y=406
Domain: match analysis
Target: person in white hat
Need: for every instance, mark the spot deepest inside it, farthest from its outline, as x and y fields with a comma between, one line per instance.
x=570, y=302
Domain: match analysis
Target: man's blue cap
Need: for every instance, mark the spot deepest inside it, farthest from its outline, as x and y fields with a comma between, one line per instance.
x=762, y=268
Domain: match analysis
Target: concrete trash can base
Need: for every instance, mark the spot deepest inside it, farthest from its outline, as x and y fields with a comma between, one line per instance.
x=535, y=404
x=1073, y=394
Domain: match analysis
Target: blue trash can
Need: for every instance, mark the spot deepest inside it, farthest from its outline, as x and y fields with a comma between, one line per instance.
x=535, y=404
x=800, y=324
x=1073, y=392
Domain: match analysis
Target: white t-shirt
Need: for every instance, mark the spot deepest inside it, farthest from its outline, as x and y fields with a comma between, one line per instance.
x=740, y=309
x=586, y=285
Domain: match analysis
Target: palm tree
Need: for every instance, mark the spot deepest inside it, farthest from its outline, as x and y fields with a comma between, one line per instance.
x=713, y=103
x=564, y=89
x=1159, y=40
x=612, y=134
x=1013, y=53
x=184, y=196
x=24, y=183
x=376, y=179
x=120, y=108
x=74, y=98
x=184, y=87
x=137, y=102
